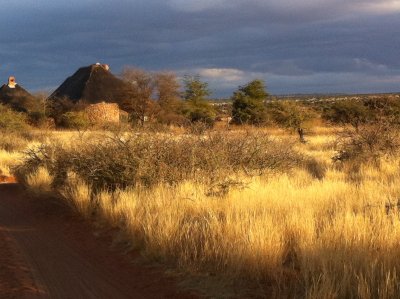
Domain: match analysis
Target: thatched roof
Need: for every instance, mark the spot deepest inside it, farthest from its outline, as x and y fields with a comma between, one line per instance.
x=93, y=84
x=17, y=98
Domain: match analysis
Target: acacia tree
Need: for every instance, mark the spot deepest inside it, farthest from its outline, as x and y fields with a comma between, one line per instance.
x=169, y=98
x=140, y=105
x=198, y=108
x=291, y=115
x=248, y=103
x=167, y=89
x=349, y=112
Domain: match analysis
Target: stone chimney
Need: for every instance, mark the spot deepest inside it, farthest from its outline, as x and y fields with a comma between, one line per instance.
x=11, y=82
x=104, y=66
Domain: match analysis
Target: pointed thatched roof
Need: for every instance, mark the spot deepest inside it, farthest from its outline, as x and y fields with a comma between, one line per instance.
x=93, y=84
x=15, y=96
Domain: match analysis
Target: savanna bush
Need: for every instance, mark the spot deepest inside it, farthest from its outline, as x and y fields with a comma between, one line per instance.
x=12, y=142
x=11, y=121
x=75, y=120
x=368, y=143
x=14, y=130
x=40, y=120
x=149, y=159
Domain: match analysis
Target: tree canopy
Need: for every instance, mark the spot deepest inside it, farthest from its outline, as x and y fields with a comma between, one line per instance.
x=198, y=108
x=290, y=115
x=248, y=103
x=354, y=113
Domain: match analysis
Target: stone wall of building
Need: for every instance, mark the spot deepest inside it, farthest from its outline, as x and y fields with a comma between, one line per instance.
x=103, y=113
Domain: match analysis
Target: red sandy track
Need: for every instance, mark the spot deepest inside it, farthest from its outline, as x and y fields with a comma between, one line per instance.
x=45, y=252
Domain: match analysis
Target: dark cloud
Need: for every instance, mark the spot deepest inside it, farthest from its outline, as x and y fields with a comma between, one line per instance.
x=296, y=46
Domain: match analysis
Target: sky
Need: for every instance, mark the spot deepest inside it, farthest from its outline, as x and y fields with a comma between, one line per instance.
x=309, y=46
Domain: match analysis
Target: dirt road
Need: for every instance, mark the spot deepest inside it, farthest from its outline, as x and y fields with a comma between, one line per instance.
x=45, y=252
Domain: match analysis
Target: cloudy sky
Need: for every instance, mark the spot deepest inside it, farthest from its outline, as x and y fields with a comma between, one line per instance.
x=296, y=46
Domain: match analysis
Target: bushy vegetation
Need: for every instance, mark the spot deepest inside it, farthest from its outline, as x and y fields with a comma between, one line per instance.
x=14, y=130
x=248, y=104
x=197, y=108
x=368, y=144
x=374, y=131
x=75, y=120
x=11, y=121
x=347, y=112
x=291, y=115
x=148, y=160
x=39, y=119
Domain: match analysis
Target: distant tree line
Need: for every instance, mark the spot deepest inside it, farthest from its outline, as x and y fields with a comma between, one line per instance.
x=162, y=98
x=158, y=98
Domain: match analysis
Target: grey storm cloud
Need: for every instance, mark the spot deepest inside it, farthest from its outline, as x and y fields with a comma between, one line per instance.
x=296, y=46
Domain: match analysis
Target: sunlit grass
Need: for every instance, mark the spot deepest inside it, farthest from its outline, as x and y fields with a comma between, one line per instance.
x=39, y=182
x=331, y=236
x=78, y=195
x=8, y=160
x=290, y=235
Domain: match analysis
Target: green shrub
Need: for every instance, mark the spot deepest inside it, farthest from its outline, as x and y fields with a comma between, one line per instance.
x=291, y=115
x=40, y=120
x=248, y=104
x=11, y=121
x=197, y=108
x=347, y=112
x=201, y=113
x=75, y=120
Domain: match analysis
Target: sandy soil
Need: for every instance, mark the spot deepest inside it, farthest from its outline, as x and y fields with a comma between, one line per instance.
x=46, y=252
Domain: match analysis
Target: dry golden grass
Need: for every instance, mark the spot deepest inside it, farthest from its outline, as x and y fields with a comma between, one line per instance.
x=8, y=160
x=321, y=239
x=291, y=235
x=78, y=195
x=39, y=182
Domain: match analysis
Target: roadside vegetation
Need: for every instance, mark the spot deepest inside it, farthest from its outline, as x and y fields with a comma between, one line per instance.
x=292, y=200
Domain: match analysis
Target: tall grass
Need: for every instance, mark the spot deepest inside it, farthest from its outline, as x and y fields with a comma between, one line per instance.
x=40, y=181
x=275, y=234
x=8, y=160
x=78, y=195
